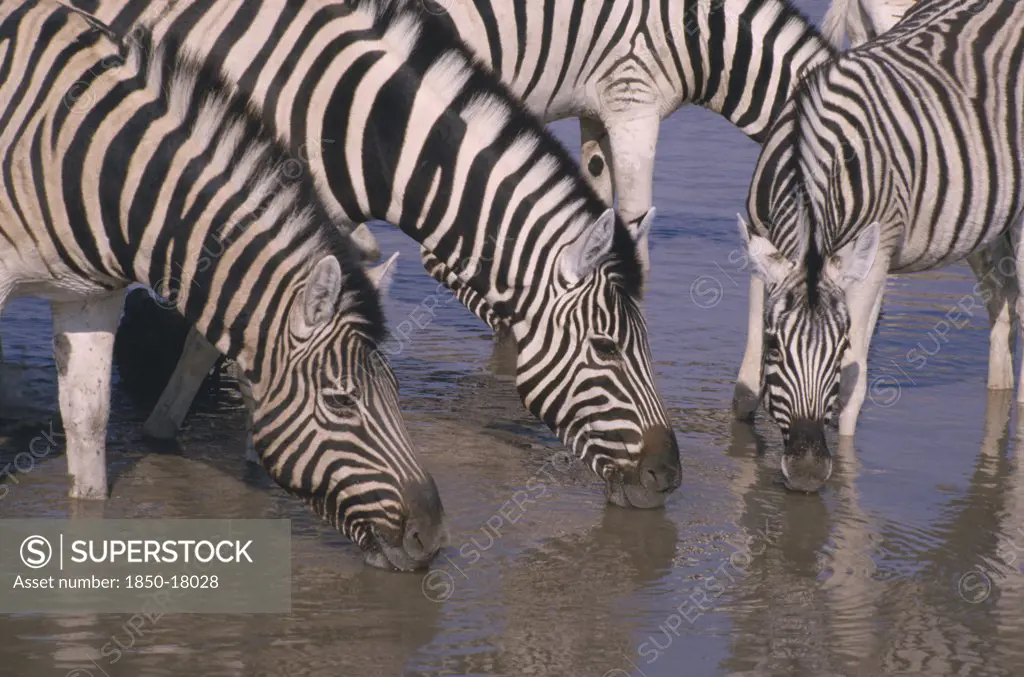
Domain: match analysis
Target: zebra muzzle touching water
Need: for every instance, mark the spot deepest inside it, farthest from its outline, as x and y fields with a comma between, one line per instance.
x=153, y=173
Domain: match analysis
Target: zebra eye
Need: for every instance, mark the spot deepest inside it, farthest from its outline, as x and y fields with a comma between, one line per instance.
x=605, y=347
x=338, y=400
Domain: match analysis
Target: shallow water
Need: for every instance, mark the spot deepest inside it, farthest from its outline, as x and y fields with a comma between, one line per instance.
x=907, y=563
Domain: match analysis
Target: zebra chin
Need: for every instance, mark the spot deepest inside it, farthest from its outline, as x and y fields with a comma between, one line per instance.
x=806, y=460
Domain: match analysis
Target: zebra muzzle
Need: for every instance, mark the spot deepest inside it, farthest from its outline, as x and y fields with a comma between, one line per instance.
x=806, y=460
x=421, y=537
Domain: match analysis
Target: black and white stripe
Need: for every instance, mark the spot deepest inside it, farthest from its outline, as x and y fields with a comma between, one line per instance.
x=903, y=155
x=476, y=178
x=122, y=163
x=621, y=66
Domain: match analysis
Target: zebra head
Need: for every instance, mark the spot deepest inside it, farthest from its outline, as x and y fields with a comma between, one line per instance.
x=327, y=423
x=806, y=339
x=584, y=366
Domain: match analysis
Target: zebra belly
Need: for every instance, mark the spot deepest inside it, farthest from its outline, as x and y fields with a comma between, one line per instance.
x=921, y=252
x=25, y=274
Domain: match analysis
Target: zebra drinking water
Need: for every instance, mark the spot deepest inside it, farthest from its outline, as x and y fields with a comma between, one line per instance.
x=127, y=165
x=904, y=154
x=477, y=179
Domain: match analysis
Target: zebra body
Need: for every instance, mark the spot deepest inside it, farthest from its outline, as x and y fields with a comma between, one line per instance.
x=475, y=178
x=127, y=164
x=905, y=154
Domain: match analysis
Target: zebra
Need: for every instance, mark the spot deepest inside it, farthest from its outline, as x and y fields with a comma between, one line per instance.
x=859, y=21
x=124, y=161
x=478, y=180
x=904, y=154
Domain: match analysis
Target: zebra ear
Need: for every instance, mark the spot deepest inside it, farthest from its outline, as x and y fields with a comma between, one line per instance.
x=381, y=276
x=853, y=263
x=581, y=257
x=637, y=229
x=765, y=260
x=322, y=293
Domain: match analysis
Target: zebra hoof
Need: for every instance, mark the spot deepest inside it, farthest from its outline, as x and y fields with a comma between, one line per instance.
x=87, y=493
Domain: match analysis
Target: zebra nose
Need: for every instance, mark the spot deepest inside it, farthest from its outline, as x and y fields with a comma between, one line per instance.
x=806, y=460
x=425, y=532
x=659, y=469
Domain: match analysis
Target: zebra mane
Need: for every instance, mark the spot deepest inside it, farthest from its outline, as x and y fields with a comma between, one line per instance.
x=203, y=98
x=482, y=85
x=813, y=257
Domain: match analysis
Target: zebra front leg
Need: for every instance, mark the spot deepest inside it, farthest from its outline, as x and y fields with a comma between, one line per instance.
x=864, y=301
x=1017, y=299
x=747, y=392
x=245, y=388
x=632, y=141
x=594, y=153
x=196, y=361
x=83, y=349
x=999, y=292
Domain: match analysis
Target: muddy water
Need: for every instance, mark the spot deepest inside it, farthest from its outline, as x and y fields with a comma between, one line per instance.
x=906, y=564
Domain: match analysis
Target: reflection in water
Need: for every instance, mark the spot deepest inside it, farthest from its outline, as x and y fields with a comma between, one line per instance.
x=948, y=607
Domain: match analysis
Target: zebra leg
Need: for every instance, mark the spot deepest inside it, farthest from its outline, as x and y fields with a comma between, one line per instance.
x=999, y=292
x=864, y=300
x=245, y=388
x=196, y=361
x=594, y=153
x=746, y=394
x=83, y=348
x=1016, y=243
x=632, y=141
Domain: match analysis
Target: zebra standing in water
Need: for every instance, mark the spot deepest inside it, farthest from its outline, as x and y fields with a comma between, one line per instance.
x=478, y=180
x=127, y=165
x=860, y=20
x=905, y=154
